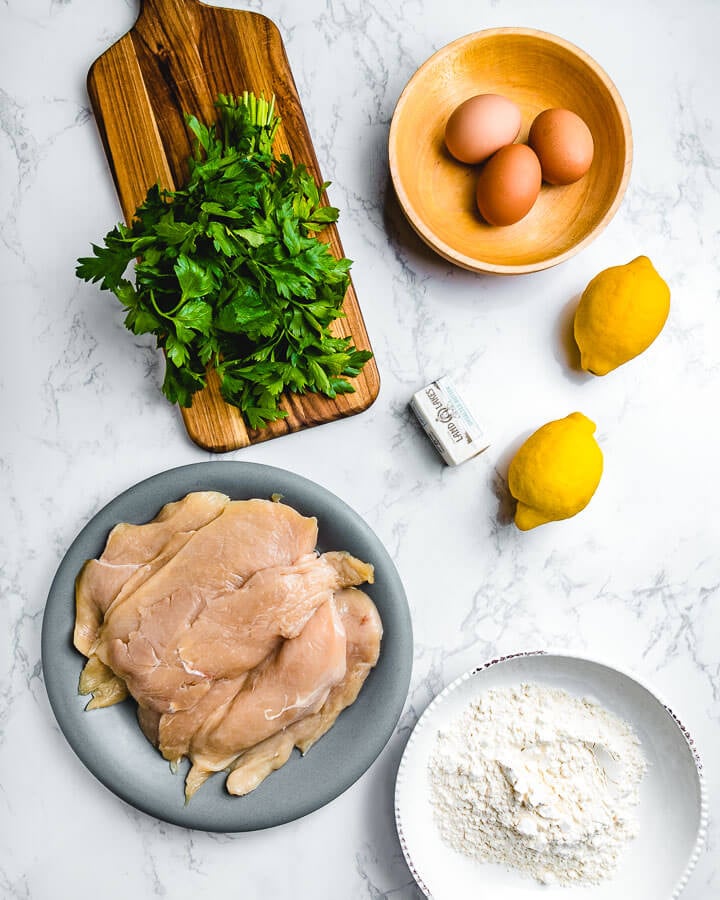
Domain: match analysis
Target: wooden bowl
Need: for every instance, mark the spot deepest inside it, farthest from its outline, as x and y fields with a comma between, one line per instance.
x=437, y=194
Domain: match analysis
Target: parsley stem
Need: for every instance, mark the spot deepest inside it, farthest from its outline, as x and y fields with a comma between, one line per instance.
x=171, y=313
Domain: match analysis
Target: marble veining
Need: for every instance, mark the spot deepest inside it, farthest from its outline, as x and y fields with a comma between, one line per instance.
x=635, y=579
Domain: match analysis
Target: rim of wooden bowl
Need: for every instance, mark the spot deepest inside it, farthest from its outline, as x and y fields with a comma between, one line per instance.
x=469, y=262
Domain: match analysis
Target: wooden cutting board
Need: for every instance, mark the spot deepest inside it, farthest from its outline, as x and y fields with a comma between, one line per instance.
x=177, y=58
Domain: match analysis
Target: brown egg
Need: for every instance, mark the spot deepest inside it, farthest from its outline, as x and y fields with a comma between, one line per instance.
x=480, y=126
x=508, y=185
x=564, y=145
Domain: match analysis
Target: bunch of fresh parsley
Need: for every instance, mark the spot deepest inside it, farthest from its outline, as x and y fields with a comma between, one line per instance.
x=230, y=272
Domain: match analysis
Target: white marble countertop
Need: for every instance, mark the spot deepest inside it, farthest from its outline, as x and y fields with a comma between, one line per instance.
x=635, y=579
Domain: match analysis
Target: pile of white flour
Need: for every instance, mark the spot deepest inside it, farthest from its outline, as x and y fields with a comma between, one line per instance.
x=537, y=779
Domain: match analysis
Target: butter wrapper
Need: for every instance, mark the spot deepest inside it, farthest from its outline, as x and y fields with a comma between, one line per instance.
x=448, y=422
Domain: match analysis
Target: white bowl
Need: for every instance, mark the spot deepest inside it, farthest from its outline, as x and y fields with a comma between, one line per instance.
x=672, y=812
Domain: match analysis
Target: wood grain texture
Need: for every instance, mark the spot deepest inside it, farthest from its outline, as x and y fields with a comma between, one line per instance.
x=177, y=58
x=537, y=71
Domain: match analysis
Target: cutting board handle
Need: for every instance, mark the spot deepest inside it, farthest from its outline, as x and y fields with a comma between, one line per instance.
x=158, y=9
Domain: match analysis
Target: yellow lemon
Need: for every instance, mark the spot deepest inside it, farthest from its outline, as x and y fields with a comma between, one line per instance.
x=620, y=314
x=555, y=472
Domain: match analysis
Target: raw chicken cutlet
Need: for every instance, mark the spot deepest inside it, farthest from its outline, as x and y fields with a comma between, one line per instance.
x=236, y=638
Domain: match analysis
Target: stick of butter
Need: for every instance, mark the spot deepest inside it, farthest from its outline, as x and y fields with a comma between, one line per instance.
x=448, y=422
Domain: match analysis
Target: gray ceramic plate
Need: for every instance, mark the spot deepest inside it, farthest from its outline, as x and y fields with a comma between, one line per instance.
x=109, y=741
